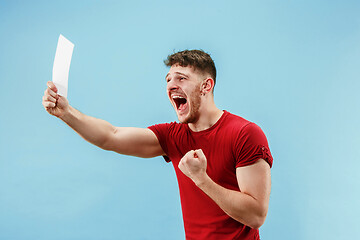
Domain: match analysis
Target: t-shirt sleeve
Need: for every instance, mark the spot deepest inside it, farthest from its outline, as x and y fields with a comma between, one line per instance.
x=162, y=133
x=252, y=145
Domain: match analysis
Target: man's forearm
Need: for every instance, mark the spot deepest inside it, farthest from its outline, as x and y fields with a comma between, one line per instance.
x=93, y=130
x=238, y=205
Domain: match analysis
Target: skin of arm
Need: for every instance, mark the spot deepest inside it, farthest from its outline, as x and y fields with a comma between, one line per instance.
x=124, y=140
x=249, y=206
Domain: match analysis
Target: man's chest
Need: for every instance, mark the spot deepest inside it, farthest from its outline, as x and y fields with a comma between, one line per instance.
x=220, y=154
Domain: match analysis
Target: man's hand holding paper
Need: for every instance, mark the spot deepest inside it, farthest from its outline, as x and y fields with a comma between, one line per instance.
x=55, y=96
x=54, y=103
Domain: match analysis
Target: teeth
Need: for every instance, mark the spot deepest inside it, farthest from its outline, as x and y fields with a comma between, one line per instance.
x=177, y=97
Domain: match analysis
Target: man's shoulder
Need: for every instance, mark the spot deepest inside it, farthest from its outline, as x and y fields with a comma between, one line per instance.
x=247, y=131
x=240, y=126
x=235, y=121
x=168, y=127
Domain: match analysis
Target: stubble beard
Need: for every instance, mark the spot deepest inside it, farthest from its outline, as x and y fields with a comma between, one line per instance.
x=194, y=100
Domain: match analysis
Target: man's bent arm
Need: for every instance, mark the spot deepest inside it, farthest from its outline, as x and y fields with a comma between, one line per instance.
x=249, y=206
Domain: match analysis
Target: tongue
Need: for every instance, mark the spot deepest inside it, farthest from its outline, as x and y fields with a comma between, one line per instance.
x=181, y=106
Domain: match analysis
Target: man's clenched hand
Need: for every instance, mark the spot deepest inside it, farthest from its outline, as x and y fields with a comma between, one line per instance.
x=193, y=165
x=53, y=103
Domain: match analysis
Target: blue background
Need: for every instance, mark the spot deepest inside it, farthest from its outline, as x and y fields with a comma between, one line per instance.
x=290, y=66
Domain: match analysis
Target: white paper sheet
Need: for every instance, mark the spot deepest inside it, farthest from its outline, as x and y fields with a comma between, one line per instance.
x=61, y=65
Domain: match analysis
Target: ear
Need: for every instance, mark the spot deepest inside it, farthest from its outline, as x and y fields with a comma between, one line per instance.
x=207, y=85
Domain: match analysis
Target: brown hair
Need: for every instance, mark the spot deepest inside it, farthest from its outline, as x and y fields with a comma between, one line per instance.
x=198, y=59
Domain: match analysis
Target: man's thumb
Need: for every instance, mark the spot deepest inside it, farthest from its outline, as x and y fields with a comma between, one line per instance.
x=199, y=153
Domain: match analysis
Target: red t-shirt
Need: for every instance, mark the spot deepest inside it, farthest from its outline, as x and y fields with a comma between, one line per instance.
x=230, y=143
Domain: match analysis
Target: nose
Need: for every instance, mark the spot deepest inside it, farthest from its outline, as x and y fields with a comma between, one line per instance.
x=171, y=85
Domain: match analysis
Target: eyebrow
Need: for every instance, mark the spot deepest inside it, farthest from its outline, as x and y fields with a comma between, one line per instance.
x=180, y=73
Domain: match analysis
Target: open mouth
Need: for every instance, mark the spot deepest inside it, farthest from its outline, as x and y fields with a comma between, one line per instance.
x=180, y=102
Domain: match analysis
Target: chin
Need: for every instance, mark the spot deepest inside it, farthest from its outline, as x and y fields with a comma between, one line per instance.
x=182, y=119
x=188, y=118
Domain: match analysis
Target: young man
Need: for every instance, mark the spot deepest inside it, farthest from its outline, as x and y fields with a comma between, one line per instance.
x=221, y=160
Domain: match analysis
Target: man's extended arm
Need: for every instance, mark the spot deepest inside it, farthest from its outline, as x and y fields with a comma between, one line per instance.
x=249, y=206
x=130, y=141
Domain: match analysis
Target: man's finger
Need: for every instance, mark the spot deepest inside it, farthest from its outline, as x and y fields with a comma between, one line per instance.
x=52, y=86
x=47, y=104
x=182, y=167
x=189, y=154
x=200, y=153
x=49, y=98
x=52, y=93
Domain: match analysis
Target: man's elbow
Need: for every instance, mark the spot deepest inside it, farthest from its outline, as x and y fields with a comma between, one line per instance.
x=107, y=141
x=105, y=144
x=257, y=224
x=258, y=220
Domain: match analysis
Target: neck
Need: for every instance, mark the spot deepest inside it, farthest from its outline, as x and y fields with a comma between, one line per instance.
x=209, y=114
